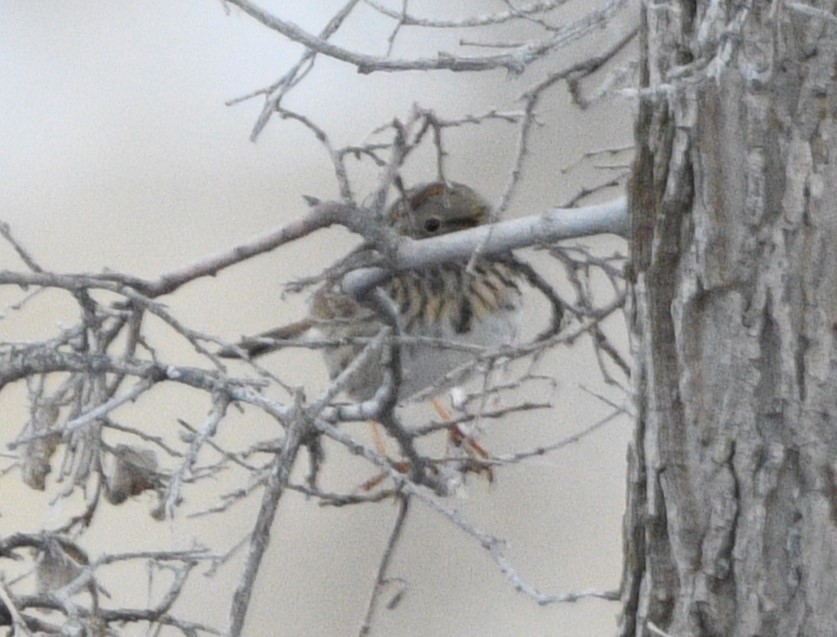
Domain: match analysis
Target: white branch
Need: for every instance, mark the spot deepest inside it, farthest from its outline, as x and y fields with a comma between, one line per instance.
x=555, y=225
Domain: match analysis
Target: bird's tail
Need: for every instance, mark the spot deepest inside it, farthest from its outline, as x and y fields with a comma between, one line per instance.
x=266, y=342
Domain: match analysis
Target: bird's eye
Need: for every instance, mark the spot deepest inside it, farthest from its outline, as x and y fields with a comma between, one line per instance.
x=432, y=224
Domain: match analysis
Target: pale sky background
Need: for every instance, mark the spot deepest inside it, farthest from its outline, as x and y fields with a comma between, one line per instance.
x=118, y=152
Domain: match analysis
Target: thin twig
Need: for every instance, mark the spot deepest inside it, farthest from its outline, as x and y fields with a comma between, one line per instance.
x=383, y=567
x=22, y=252
x=17, y=620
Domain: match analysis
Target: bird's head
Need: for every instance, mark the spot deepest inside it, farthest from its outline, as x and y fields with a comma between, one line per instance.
x=438, y=208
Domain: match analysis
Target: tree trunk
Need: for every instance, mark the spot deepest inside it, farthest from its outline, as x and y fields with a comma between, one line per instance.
x=731, y=526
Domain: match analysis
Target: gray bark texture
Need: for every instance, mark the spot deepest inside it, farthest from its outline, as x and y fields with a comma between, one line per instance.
x=731, y=525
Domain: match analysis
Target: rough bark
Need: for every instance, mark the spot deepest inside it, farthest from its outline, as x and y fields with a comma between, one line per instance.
x=731, y=527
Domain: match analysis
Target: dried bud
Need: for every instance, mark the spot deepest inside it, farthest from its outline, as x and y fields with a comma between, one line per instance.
x=57, y=566
x=129, y=471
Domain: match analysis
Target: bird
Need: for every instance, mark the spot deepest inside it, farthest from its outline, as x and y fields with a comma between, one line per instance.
x=480, y=305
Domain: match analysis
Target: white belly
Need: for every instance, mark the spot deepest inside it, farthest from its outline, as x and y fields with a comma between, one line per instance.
x=426, y=365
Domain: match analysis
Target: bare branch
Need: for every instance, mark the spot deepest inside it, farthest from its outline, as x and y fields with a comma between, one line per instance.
x=515, y=62
x=496, y=238
x=260, y=536
x=27, y=258
x=500, y=17
x=386, y=558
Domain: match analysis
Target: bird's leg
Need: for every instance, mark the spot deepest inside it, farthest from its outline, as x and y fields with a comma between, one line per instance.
x=462, y=440
x=380, y=446
x=377, y=438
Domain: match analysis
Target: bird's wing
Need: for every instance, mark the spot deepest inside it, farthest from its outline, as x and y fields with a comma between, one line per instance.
x=539, y=283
